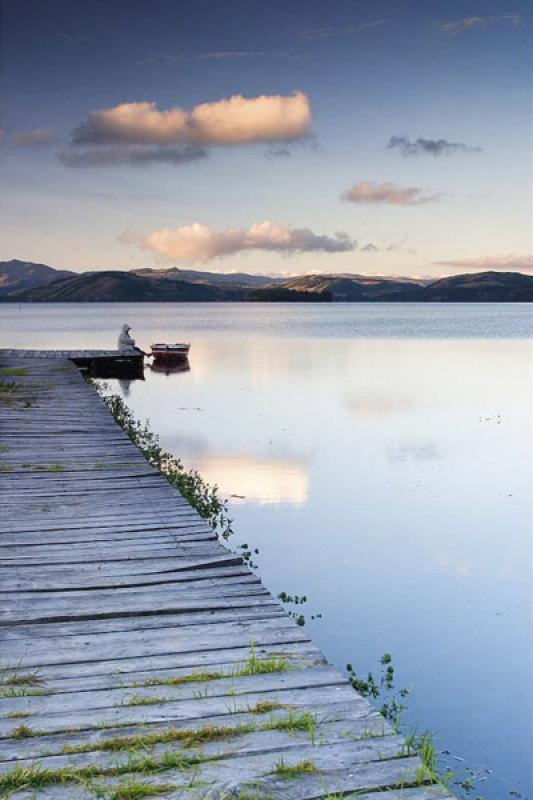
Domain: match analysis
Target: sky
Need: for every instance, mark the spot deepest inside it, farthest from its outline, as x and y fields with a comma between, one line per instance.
x=381, y=137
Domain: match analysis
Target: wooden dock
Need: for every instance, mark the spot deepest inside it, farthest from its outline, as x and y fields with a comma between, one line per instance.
x=139, y=656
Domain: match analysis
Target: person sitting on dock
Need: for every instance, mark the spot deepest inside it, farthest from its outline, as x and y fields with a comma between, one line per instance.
x=126, y=344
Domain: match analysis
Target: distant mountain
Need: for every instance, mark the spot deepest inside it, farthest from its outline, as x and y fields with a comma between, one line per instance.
x=211, y=278
x=24, y=282
x=356, y=288
x=117, y=287
x=17, y=275
x=482, y=287
x=282, y=294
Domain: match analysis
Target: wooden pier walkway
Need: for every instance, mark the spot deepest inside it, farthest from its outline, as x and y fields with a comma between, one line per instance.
x=139, y=656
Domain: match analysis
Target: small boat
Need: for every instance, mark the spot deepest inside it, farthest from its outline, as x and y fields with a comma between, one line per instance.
x=170, y=353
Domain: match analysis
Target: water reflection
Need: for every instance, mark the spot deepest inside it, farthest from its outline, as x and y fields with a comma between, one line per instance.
x=170, y=369
x=257, y=480
x=367, y=406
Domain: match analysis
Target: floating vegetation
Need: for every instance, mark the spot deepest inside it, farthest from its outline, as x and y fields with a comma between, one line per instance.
x=392, y=706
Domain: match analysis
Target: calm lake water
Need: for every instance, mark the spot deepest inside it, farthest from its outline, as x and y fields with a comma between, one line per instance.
x=380, y=458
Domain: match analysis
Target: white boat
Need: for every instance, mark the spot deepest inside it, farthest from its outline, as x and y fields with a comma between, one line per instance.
x=170, y=353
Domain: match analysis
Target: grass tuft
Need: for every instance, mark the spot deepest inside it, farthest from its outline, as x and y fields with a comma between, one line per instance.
x=193, y=737
x=14, y=372
x=264, y=706
x=23, y=732
x=141, y=700
x=290, y=771
x=21, y=679
x=133, y=790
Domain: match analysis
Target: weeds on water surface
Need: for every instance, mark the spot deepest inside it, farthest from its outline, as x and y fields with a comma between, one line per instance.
x=203, y=497
x=392, y=706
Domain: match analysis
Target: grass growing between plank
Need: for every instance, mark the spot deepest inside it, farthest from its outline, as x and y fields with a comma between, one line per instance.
x=254, y=665
x=290, y=771
x=141, y=700
x=264, y=706
x=23, y=732
x=36, y=777
x=43, y=467
x=132, y=790
x=188, y=738
x=12, y=691
x=17, y=372
x=21, y=679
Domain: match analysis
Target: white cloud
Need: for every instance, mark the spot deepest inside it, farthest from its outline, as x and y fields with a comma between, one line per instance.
x=469, y=23
x=387, y=193
x=329, y=31
x=199, y=243
x=235, y=120
x=503, y=262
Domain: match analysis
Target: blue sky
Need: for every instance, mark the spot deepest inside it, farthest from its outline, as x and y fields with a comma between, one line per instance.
x=451, y=80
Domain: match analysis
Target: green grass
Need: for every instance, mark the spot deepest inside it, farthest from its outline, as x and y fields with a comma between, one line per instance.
x=36, y=777
x=43, y=467
x=257, y=665
x=264, y=706
x=5, y=468
x=254, y=665
x=178, y=680
x=22, y=732
x=12, y=691
x=14, y=371
x=19, y=714
x=290, y=771
x=21, y=679
x=132, y=790
x=193, y=737
x=141, y=700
